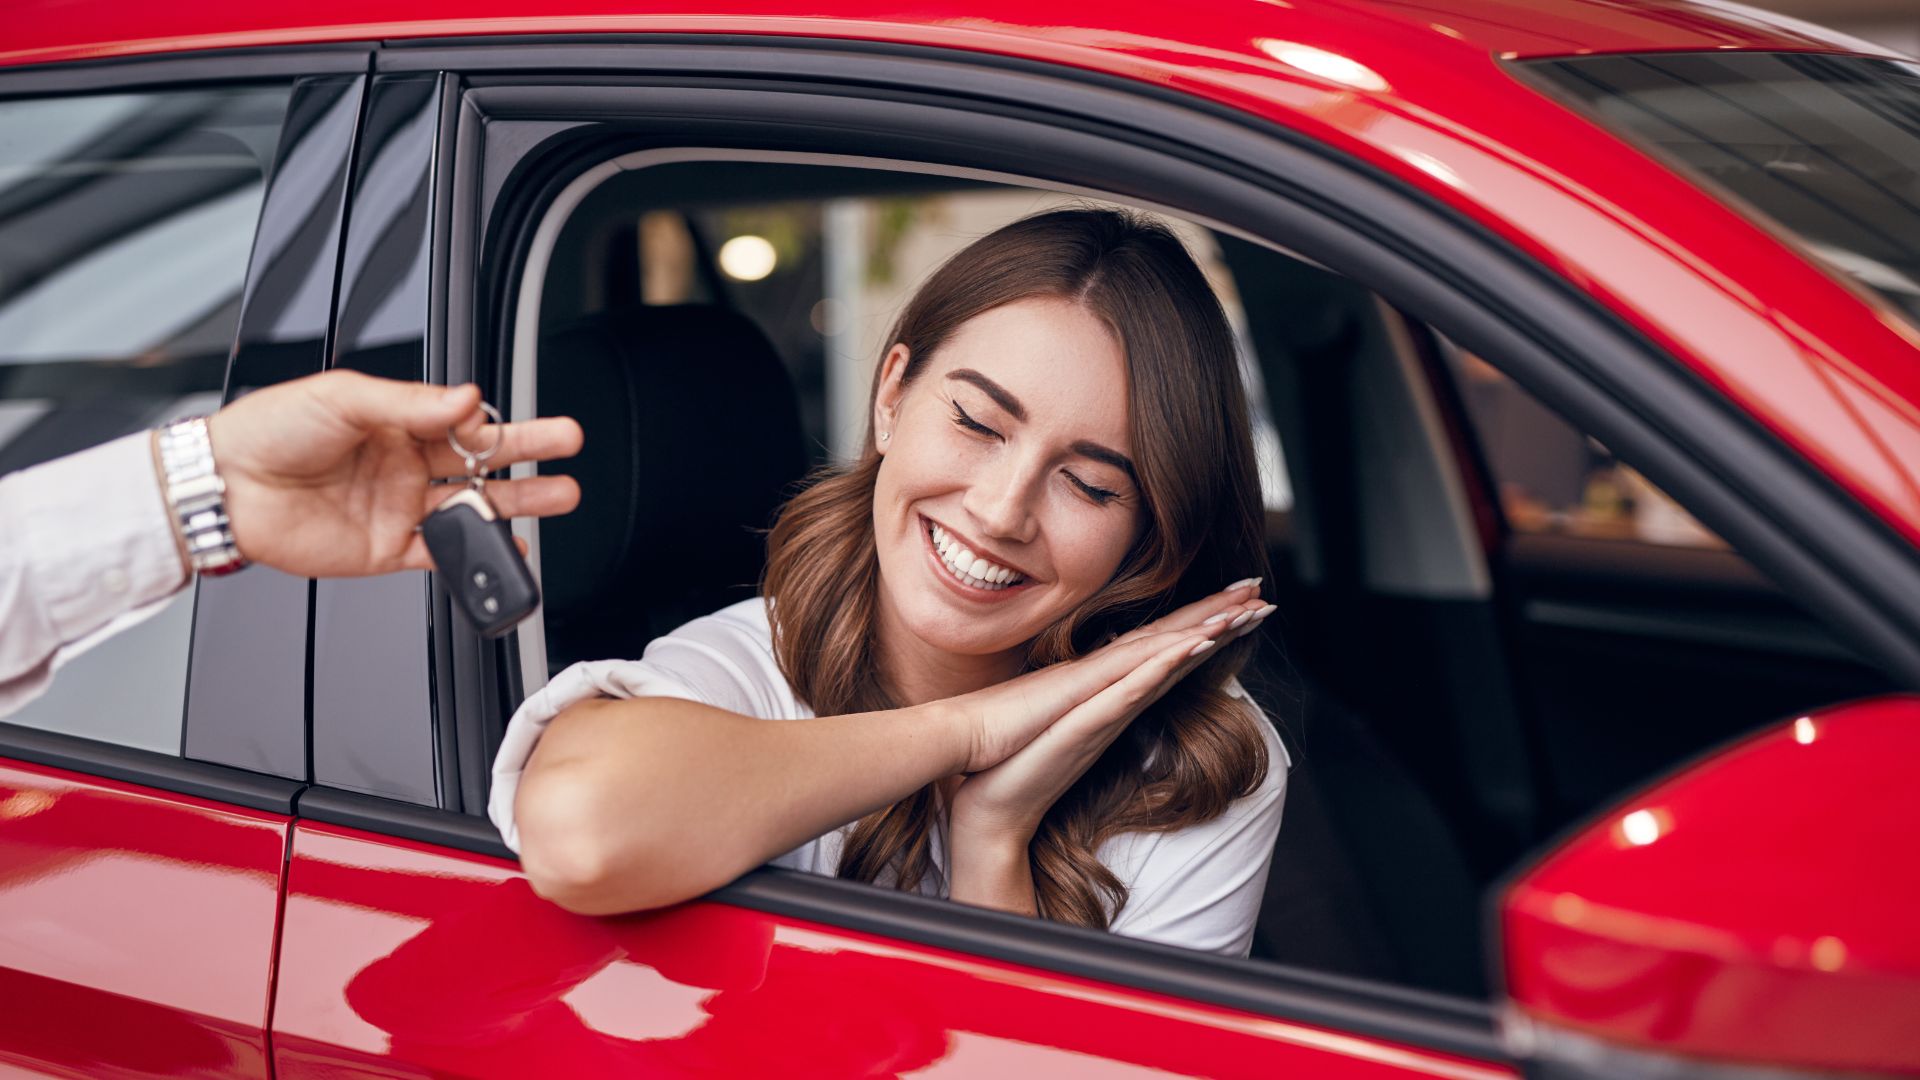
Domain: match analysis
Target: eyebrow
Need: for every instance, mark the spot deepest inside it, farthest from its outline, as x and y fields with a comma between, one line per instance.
x=1085, y=448
x=993, y=390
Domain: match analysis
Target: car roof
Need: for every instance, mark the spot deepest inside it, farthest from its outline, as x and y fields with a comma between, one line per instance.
x=1221, y=32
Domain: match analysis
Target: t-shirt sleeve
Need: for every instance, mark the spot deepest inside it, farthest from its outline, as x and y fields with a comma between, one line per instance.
x=723, y=660
x=1200, y=887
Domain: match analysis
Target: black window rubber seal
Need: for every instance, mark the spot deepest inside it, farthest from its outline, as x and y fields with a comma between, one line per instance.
x=148, y=768
x=408, y=821
x=178, y=71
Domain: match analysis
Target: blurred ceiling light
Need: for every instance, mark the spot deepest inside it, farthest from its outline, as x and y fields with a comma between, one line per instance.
x=1642, y=827
x=747, y=258
x=1321, y=64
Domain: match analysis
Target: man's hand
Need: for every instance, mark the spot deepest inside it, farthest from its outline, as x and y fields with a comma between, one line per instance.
x=328, y=475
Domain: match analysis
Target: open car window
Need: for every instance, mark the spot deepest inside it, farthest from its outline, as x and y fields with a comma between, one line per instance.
x=809, y=281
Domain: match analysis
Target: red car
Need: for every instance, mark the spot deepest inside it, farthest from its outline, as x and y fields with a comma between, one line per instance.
x=1586, y=346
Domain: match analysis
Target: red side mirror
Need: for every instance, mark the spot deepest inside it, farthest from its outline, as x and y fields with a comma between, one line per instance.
x=1760, y=907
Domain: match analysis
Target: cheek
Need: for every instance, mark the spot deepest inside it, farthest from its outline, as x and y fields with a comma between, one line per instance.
x=917, y=467
x=1090, y=544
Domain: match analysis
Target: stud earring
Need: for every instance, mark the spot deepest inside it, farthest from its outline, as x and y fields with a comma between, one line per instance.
x=885, y=435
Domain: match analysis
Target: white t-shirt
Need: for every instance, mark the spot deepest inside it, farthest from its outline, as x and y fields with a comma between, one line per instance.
x=1198, y=887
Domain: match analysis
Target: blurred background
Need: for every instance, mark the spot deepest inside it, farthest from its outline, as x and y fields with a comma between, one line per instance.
x=1893, y=23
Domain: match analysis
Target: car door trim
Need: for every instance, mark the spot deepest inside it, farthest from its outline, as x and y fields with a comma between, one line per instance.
x=184, y=69
x=149, y=768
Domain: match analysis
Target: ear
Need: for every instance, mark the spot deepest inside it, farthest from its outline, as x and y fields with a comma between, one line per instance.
x=886, y=397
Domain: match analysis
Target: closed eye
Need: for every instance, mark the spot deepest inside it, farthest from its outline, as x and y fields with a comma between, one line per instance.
x=961, y=418
x=1098, y=495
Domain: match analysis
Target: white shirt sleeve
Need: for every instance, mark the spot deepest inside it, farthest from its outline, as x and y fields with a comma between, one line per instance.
x=1200, y=888
x=722, y=660
x=86, y=550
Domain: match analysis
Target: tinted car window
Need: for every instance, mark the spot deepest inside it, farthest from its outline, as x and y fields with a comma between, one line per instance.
x=125, y=225
x=1552, y=479
x=1827, y=146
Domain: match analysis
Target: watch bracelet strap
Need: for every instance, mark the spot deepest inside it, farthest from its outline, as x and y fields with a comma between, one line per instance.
x=196, y=497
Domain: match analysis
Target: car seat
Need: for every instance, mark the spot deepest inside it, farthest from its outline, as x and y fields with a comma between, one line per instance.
x=1367, y=878
x=693, y=439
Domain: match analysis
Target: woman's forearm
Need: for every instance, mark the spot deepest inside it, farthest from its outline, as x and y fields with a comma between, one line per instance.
x=991, y=873
x=634, y=804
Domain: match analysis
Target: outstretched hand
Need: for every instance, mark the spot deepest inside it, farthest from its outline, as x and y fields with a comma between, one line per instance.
x=1092, y=700
x=328, y=475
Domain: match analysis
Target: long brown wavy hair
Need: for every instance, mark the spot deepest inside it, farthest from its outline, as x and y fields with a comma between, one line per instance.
x=1185, y=759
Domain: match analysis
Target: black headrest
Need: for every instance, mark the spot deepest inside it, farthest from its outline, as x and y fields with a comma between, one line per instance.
x=692, y=438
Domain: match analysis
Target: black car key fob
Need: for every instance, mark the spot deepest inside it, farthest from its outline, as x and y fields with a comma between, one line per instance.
x=473, y=548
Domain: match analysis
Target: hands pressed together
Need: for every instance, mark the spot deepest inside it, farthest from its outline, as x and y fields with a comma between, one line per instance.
x=328, y=475
x=1034, y=736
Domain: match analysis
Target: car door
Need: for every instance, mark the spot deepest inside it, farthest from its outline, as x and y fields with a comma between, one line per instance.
x=169, y=232
x=412, y=941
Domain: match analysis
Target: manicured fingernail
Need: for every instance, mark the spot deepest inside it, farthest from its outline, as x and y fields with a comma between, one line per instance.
x=1266, y=611
x=1240, y=620
x=1211, y=619
x=1200, y=648
x=1242, y=583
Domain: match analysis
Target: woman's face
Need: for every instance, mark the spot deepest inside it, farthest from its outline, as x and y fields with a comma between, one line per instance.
x=1006, y=494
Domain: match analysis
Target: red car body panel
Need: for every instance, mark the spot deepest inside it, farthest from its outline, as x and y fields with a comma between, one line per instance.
x=1674, y=923
x=1423, y=93
x=136, y=929
x=402, y=956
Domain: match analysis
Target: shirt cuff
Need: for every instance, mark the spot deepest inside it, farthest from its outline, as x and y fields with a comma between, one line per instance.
x=96, y=535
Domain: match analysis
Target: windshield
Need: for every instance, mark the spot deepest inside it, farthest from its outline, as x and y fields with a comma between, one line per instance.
x=1826, y=146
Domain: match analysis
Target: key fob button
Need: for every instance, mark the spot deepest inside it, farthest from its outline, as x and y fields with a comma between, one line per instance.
x=484, y=573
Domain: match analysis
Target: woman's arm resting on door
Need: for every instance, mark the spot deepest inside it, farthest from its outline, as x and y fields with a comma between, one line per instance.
x=644, y=802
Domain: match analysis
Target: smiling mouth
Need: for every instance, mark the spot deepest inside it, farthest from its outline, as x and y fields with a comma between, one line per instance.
x=969, y=569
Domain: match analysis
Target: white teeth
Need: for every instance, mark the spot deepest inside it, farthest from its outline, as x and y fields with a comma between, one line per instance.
x=974, y=570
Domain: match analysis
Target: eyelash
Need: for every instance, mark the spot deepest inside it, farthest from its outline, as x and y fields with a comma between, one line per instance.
x=1100, y=496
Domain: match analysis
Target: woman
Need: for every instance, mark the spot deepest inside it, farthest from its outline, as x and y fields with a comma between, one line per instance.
x=951, y=644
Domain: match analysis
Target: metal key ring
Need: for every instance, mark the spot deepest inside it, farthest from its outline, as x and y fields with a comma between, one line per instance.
x=499, y=436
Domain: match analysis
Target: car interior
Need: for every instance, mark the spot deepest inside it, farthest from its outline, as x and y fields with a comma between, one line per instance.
x=1474, y=648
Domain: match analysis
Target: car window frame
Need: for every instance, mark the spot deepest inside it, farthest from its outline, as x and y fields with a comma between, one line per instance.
x=1221, y=167
x=178, y=773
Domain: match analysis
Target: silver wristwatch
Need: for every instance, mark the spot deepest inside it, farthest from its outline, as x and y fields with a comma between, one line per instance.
x=196, y=496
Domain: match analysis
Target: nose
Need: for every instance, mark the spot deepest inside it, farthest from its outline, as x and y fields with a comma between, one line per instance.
x=1000, y=500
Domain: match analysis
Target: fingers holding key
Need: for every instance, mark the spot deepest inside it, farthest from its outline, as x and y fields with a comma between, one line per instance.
x=544, y=439
x=532, y=496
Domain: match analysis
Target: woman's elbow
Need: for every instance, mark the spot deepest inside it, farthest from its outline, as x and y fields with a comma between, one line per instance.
x=573, y=859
